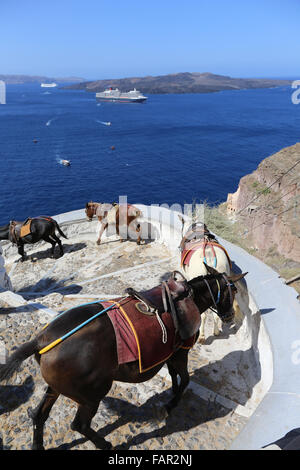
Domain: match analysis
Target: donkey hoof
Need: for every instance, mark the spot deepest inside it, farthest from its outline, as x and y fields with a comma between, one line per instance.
x=98, y=242
x=201, y=339
x=104, y=445
x=37, y=447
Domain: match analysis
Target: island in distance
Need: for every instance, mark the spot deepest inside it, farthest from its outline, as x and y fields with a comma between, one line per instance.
x=25, y=79
x=180, y=83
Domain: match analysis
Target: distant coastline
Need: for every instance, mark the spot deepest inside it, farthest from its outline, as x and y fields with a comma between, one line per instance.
x=179, y=83
x=22, y=79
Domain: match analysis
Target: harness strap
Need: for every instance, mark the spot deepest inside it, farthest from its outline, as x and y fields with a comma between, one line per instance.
x=166, y=292
x=198, y=245
x=211, y=294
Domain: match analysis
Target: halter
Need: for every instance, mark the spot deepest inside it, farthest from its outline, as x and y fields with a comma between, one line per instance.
x=230, y=286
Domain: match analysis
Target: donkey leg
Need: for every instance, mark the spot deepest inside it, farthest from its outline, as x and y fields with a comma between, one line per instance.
x=202, y=327
x=217, y=324
x=39, y=417
x=52, y=242
x=58, y=241
x=21, y=251
x=173, y=375
x=178, y=363
x=103, y=227
x=82, y=424
x=138, y=230
x=238, y=315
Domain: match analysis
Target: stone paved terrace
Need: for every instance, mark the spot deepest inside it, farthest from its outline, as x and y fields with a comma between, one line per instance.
x=225, y=374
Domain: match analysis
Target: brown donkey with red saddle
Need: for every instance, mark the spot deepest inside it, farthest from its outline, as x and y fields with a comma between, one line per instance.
x=78, y=352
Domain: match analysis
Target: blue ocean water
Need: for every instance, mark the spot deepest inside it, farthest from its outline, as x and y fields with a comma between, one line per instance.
x=171, y=149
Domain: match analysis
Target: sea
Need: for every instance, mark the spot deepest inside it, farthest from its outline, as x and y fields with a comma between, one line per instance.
x=172, y=149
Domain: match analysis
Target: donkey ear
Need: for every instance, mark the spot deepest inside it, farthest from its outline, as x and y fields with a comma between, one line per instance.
x=236, y=277
x=210, y=269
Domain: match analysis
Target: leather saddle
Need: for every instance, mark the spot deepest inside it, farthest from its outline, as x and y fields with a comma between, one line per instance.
x=173, y=296
x=18, y=230
x=196, y=233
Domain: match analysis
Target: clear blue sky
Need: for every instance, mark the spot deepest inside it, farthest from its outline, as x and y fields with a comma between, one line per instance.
x=124, y=38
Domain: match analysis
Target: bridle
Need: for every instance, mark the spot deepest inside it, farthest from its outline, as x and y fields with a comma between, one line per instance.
x=91, y=207
x=227, y=316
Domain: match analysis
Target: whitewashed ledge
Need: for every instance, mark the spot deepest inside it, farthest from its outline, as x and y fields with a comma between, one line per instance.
x=276, y=340
x=279, y=411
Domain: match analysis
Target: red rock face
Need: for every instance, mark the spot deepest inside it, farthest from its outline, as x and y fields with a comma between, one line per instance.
x=267, y=204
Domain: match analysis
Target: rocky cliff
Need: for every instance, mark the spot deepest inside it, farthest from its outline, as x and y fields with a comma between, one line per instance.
x=266, y=207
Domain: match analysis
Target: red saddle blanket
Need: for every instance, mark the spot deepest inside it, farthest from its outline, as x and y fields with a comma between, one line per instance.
x=140, y=337
x=191, y=248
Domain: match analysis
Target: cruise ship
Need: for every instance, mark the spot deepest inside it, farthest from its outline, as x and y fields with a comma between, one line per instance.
x=48, y=85
x=115, y=95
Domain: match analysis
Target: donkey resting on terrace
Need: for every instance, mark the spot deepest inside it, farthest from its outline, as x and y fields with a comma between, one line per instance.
x=123, y=217
x=87, y=377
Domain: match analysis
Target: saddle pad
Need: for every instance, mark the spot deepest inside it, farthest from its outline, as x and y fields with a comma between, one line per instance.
x=25, y=228
x=191, y=249
x=139, y=336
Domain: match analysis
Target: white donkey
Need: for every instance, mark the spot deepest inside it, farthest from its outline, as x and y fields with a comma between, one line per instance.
x=200, y=247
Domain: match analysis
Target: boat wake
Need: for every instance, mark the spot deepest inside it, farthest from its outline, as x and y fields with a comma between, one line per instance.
x=49, y=122
x=105, y=123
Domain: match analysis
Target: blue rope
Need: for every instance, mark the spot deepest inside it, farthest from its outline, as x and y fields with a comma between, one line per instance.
x=87, y=321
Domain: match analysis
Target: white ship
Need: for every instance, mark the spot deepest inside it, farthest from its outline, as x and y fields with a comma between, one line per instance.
x=115, y=95
x=48, y=85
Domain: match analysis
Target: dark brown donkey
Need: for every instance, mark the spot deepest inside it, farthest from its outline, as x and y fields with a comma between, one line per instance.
x=41, y=228
x=84, y=366
x=123, y=216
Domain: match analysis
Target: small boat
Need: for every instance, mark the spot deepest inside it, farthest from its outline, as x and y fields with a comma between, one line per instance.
x=48, y=85
x=66, y=162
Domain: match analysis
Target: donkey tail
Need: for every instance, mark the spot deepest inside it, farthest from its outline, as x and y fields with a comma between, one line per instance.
x=15, y=360
x=60, y=230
